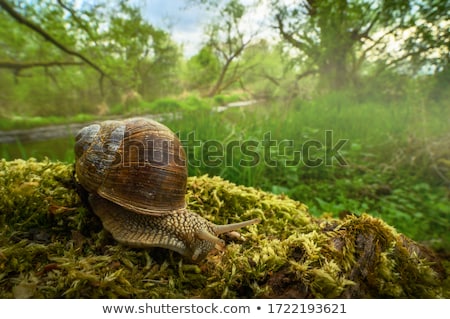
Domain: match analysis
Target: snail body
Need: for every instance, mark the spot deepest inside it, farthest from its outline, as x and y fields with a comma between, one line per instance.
x=135, y=173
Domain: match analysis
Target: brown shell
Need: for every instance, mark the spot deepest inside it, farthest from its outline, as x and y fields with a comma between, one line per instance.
x=137, y=163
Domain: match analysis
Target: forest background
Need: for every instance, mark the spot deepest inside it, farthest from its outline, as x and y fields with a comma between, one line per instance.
x=349, y=99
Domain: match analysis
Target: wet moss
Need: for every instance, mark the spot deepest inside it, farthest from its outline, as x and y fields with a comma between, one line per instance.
x=52, y=246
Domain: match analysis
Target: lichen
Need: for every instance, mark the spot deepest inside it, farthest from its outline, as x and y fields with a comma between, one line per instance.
x=52, y=246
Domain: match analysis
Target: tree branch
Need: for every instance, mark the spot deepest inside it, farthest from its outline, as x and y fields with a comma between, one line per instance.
x=36, y=28
x=78, y=20
x=272, y=79
x=304, y=46
x=394, y=62
x=228, y=57
x=376, y=42
x=237, y=75
x=287, y=36
x=365, y=33
x=27, y=65
x=305, y=74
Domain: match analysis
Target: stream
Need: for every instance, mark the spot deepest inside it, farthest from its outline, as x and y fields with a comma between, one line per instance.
x=54, y=141
x=65, y=130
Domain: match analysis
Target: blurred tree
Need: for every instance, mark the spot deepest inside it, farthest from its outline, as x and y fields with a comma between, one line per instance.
x=228, y=42
x=440, y=90
x=57, y=48
x=55, y=18
x=336, y=38
x=133, y=51
x=202, y=70
x=269, y=75
x=35, y=72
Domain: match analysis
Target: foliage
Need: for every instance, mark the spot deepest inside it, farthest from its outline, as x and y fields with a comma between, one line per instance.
x=405, y=145
x=268, y=75
x=167, y=105
x=417, y=208
x=441, y=86
x=202, y=70
x=228, y=41
x=63, y=57
x=120, y=51
x=223, y=99
x=336, y=39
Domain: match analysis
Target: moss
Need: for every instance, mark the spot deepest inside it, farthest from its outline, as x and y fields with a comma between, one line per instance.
x=51, y=246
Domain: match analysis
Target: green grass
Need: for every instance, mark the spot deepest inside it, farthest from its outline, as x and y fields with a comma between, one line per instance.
x=391, y=151
x=162, y=105
x=390, y=172
x=191, y=103
x=373, y=133
x=223, y=99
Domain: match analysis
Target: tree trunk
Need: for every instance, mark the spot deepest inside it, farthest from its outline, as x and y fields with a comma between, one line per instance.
x=217, y=86
x=333, y=72
x=337, y=44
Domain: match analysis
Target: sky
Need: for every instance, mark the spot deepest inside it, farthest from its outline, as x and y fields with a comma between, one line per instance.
x=183, y=20
x=186, y=21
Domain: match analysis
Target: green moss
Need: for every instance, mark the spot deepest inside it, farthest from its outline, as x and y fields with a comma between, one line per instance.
x=51, y=246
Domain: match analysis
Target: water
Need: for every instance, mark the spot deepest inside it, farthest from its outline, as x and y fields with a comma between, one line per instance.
x=56, y=142
x=56, y=149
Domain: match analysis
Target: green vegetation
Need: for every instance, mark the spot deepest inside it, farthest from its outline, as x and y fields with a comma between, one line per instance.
x=63, y=59
x=52, y=247
x=397, y=166
x=397, y=158
x=351, y=117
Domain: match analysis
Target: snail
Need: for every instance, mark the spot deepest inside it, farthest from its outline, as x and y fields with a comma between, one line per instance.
x=135, y=173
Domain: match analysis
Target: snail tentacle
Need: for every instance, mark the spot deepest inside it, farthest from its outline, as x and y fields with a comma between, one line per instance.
x=221, y=229
x=205, y=235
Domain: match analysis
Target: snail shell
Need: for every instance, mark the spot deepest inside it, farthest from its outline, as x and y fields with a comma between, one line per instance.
x=135, y=172
x=138, y=164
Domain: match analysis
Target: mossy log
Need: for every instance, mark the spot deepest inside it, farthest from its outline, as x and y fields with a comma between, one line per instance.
x=52, y=246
